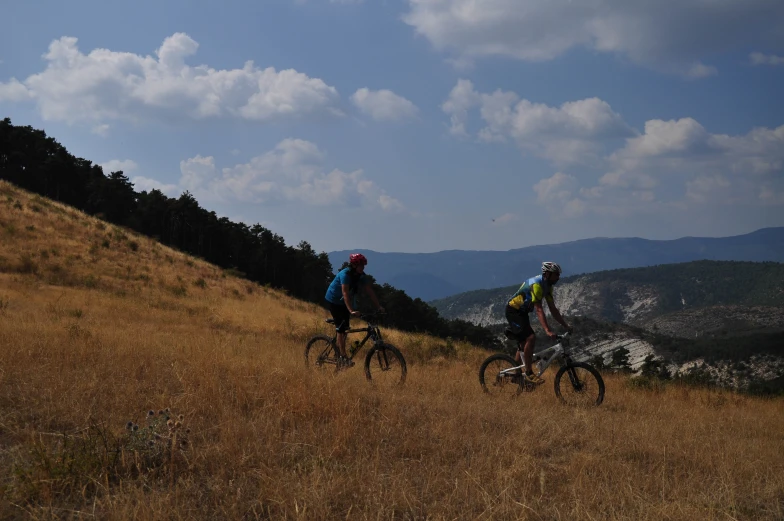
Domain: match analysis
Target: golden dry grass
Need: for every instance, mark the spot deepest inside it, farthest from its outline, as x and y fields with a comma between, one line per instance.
x=92, y=336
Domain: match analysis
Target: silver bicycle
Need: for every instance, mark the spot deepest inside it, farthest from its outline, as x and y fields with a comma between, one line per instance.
x=582, y=385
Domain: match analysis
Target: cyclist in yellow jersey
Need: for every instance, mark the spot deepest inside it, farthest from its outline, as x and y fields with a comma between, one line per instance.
x=528, y=298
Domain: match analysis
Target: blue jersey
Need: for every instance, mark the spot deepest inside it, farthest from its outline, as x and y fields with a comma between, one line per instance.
x=335, y=290
x=532, y=291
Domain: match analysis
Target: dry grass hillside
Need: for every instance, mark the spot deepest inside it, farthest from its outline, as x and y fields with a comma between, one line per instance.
x=98, y=326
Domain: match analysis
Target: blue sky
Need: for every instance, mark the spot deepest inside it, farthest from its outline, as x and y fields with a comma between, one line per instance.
x=421, y=125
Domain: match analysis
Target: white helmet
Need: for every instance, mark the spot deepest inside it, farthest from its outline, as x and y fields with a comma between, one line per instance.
x=551, y=267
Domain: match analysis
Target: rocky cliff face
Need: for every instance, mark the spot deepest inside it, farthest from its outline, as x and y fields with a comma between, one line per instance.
x=624, y=302
x=647, y=307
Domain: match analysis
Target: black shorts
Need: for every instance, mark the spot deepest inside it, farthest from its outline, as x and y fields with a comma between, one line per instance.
x=519, y=323
x=341, y=315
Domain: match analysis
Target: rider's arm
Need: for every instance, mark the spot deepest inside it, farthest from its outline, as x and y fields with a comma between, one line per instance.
x=346, y=297
x=369, y=291
x=557, y=314
x=542, y=319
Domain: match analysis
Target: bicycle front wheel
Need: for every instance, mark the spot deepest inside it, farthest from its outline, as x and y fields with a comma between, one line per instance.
x=319, y=352
x=493, y=381
x=385, y=365
x=582, y=385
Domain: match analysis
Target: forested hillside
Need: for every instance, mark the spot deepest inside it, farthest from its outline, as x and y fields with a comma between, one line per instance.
x=36, y=162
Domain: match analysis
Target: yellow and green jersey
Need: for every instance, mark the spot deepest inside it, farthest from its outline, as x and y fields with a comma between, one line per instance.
x=532, y=291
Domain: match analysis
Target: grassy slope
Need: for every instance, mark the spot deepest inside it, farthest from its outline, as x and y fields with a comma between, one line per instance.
x=94, y=336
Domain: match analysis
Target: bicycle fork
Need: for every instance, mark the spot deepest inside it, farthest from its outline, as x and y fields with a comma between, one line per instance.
x=383, y=360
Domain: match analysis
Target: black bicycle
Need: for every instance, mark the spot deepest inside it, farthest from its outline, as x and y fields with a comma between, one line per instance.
x=384, y=363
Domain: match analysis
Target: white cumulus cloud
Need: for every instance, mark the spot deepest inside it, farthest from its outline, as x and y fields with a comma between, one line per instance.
x=292, y=172
x=676, y=163
x=14, y=91
x=758, y=58
x=672, y=39
x=570, y=132
x=383, y=105
x=146, y=184
x=105, y=85
x=117, y=165
x=559, y=187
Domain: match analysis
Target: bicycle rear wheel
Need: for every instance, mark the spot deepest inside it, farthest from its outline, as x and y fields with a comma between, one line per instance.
x=583, y=385
x=493, y=381
x=319, y=352
x=385, y=365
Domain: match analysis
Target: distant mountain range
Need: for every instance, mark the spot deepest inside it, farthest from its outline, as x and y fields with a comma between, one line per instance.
x=430, y=276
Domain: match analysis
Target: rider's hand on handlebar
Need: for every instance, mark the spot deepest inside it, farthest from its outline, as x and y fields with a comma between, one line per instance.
x=355, y=313
x=551, y=335
x=381, y=309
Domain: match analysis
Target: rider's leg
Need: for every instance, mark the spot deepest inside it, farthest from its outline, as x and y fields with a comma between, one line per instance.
x=342, y=343
x=528, y=353
x=342, y=323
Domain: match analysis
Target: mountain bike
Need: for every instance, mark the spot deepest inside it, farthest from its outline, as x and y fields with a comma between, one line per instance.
x=384, y=363
x=575, y=382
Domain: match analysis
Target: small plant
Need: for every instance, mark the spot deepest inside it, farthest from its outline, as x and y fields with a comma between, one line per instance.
x=76, y=313
x=44, y=254
x=646, y=383
x=105, y=243
x=597, y=361
x=448, y=350
x=179, y=291
x=189, y=262
x=234, y=272
x=91, y=282
x=160, y=445
x=201, y=283
x=4, y=303
x=82, y=464
x=17, y=205
x=35, y=208
x=27, y=264
x=133, y=245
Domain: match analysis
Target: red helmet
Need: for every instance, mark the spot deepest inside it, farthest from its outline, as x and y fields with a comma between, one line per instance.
x=357, y=258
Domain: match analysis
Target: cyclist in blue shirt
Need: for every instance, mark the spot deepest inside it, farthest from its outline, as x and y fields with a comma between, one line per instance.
x=528, y=298
x=341, y=298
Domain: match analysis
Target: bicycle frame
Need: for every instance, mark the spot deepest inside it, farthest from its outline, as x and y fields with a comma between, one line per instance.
x=545, y=357
x=373, y=333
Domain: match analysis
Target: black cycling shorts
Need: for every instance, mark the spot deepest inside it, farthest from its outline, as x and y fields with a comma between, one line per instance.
x=341, y=315
x=519, y=323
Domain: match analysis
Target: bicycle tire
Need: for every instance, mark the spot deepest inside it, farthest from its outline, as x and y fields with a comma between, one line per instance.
x=320, y=349
x=572, y=376
x=385, y=355
x=494, y=383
